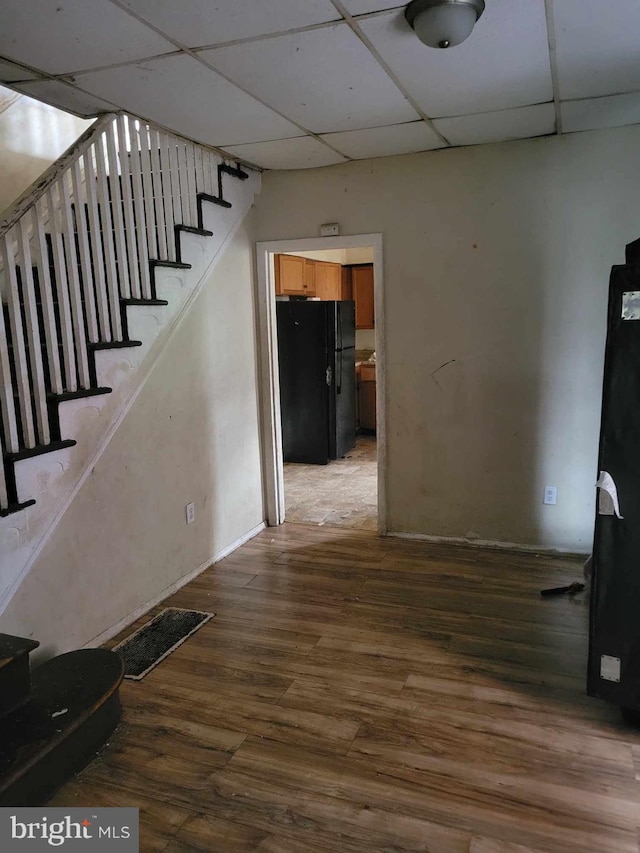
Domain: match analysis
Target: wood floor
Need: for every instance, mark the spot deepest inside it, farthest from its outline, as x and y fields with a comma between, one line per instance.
x=364, y=694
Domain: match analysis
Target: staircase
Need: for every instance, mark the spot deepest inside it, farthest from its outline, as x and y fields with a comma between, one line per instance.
x=98, y=261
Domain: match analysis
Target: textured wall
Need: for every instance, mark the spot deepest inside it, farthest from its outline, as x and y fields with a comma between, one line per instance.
x=496, y=262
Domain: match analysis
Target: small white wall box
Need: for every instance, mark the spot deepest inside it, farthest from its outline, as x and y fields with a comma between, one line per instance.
x=609, y=668
x=329, y=229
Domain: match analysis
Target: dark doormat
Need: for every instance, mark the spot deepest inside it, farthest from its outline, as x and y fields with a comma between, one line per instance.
x=144, y=649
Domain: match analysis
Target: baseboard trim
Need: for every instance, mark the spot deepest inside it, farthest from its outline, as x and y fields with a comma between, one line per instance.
x=488, y=543
x=224, y=552
x=114, y=630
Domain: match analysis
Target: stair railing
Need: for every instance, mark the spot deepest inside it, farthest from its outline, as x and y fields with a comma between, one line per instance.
x=73, y=247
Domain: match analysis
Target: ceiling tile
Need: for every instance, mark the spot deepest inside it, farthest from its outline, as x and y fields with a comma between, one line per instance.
x=201, y=22
x=597, y=47
x=62, y=36
x=361, y=7
x=382, y=141
x=65, y=97
x=9, y=73
x=324, y=79
x=182, y=94
x=303, y=152
x=504, y=63
x=519, y=123
x=612, y=111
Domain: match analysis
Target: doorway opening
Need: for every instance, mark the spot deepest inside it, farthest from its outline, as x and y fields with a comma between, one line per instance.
x=322, y=365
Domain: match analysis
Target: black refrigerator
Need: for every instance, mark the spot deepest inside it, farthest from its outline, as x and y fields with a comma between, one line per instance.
x=614, y=629
x=316, y=355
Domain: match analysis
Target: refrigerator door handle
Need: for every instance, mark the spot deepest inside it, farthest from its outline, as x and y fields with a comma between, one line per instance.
x=329, y=376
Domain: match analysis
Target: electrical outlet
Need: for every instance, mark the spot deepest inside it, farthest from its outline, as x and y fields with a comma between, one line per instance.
x=190, y=512
x=550, y=495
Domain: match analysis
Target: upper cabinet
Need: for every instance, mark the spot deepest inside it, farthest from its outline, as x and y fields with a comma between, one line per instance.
x=294, y=276
x=362, y=287
x=328, y=278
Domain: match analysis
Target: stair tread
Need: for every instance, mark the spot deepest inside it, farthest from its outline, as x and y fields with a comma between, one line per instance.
x=214, y=199
x=114, y=345
x=39, y=449
x=79, y=394
x=143, y=302
x=15, y=507
x=178, y=265
x=190, y=229
x=236, y=171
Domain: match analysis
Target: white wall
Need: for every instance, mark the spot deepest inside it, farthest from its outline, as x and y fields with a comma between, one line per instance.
x=32, y=137
x=497, y=260
x=192, y=435
x=360, y=255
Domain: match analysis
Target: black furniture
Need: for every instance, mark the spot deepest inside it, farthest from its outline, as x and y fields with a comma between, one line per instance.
x=54, y=722
x=614, y=632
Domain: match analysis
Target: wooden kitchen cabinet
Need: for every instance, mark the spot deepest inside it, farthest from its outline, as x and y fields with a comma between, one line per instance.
x=295, y=276
x=328, y=280
x=362, y=287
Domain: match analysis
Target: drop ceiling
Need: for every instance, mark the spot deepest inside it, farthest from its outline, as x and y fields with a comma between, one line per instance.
x=288, y=84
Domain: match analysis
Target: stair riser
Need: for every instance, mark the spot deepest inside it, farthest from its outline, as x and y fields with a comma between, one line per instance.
x=43, y=475
x=194, y=248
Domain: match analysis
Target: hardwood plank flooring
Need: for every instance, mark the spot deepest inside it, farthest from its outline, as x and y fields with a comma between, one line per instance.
x=363, y=694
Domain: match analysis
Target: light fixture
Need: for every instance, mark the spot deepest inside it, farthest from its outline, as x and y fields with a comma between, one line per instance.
x=443, y=23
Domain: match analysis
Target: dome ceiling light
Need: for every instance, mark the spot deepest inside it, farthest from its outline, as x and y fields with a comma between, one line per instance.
x=443, y=23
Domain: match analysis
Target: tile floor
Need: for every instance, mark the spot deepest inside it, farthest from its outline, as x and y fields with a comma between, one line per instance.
x=343, y=493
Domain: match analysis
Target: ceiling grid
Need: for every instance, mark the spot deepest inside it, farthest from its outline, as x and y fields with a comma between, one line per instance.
x=284, y=84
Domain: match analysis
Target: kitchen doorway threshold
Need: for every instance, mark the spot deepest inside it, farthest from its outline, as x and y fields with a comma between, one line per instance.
x=343, y=493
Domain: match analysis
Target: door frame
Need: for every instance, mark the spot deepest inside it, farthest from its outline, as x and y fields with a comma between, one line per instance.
x=271, y=433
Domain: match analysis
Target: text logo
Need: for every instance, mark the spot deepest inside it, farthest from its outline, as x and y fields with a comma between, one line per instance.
x=36, y=829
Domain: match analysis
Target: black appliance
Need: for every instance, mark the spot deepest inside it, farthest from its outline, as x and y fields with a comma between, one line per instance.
x=614, y=629
x=316, y=354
